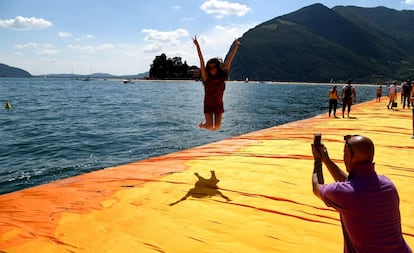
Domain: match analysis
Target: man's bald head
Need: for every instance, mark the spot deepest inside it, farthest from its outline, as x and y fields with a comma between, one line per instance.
x=362, y=148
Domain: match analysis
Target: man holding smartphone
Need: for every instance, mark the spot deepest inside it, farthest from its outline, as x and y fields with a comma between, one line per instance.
x=368, y=203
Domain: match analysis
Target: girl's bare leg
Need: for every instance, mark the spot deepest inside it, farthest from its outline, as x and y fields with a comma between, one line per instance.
x=217, y=121
x=208, y=124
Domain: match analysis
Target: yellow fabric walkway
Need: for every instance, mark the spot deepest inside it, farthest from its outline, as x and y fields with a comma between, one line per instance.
x=264, y=202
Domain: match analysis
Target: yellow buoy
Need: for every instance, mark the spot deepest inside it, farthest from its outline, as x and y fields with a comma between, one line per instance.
x=8, y=105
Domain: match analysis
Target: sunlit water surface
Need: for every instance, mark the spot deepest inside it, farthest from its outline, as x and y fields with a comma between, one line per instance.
x=59, y=128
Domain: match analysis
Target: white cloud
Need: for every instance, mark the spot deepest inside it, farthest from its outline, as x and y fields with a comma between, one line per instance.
x=89, y=36
x=92, y=49
x=409, y=2
x=152, y=48
x=159, y=39
x=217, y=42
x=85, y=49
x=171, y=36
x=64, y=34
x=23, y=23
x=224, y=8
x=105, y=46
x=48, y=52
x=186, y=19
x=48, y=45
x=85, y=37
x=27, y=45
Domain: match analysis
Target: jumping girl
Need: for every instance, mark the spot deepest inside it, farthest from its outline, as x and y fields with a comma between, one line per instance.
x=214, y=74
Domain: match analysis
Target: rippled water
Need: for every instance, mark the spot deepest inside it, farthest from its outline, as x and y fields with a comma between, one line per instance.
x=59, y=128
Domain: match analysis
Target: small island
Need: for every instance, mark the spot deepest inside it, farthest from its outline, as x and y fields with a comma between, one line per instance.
x=163, y=68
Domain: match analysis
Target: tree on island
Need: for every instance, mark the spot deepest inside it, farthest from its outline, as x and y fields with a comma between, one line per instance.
x=167, y=68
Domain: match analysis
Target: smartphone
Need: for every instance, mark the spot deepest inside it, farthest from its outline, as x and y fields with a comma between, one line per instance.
x=317, y=139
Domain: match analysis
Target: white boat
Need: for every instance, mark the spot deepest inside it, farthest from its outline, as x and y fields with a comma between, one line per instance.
x=127, y=81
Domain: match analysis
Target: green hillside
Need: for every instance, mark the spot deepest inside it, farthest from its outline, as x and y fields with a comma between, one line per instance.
x=315, y=44
x=8, y=71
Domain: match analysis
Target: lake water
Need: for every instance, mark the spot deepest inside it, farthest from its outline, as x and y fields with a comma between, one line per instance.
x=59, y=128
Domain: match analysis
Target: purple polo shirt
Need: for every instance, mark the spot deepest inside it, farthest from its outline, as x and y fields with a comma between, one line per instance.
x=368, y=205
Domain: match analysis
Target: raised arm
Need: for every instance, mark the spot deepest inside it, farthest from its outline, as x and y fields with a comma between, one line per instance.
x=317, y=177
x=227, y=64
x=320, y=155
x=336, y=172
x=200, y=56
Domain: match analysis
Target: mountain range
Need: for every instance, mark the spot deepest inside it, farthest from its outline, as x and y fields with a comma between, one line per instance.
x=9, y=71
x=318, y=44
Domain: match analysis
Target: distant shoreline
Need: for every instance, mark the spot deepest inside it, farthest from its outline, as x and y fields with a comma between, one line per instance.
x=132, y=80
x=249, y=82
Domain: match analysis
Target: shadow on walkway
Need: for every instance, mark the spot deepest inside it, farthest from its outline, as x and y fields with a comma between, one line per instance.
x=204, y=188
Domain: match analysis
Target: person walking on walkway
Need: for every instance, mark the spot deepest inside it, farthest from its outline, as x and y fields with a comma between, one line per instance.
x=405, y=93
x=214, y=74
x=368, y=203
x=348, y=95
x=392, y=94
x=412, y=95
x=333, y=100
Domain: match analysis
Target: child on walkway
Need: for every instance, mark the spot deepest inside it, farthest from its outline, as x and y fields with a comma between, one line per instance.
x=379, y=93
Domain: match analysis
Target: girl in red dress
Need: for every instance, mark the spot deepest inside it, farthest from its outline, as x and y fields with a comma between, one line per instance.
x=214, y=74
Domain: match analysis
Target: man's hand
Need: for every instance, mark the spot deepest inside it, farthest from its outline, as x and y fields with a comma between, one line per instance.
x=320, y=153
x=317, y=175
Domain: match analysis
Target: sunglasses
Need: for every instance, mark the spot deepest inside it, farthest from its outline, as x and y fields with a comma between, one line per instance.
x=212, y=67
x=346, y=138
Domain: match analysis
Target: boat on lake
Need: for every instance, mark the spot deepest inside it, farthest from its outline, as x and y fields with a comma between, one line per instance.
x=127, y=81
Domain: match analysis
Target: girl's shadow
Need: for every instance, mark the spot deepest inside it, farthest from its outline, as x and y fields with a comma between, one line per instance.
x=204, y=188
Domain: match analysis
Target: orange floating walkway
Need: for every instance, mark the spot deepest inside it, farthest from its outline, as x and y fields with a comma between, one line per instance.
x=264, y=202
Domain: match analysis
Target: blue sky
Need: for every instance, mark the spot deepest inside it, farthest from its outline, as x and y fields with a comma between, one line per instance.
x=124, y=36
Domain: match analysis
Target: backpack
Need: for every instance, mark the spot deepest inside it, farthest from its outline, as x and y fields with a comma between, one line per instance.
x=407, y=89
x=348, y=91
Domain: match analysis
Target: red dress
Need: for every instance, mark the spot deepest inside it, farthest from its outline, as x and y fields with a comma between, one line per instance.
x=213, y=95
